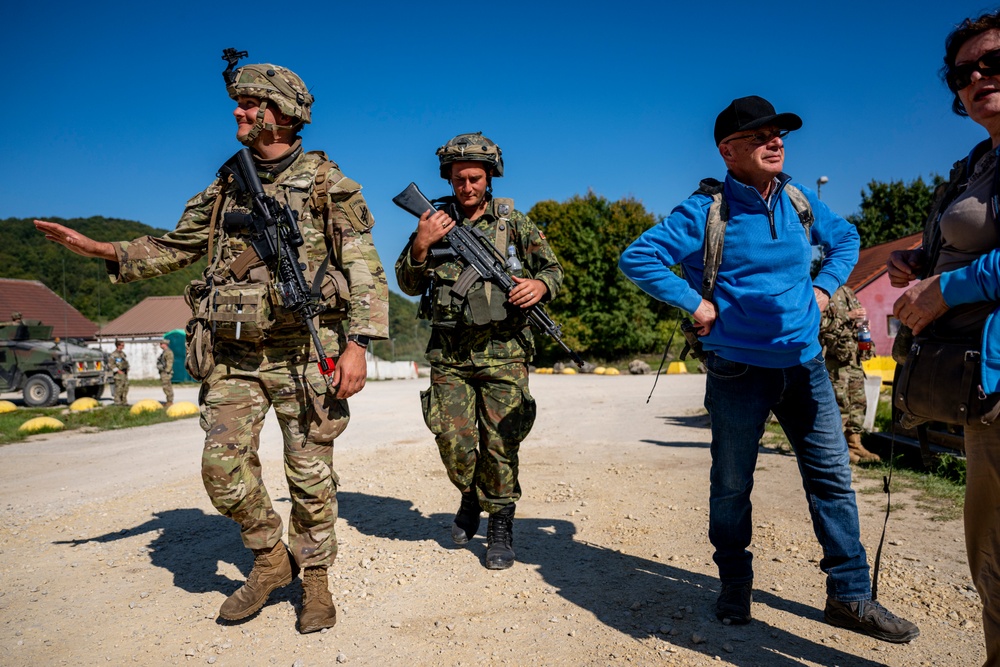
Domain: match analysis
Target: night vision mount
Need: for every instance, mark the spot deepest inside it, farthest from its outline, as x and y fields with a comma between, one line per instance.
x=232, y=56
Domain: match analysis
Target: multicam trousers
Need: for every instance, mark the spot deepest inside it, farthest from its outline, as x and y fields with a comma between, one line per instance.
x=166, y=381
x=121, y=389
x=849, y=387
x=479, y=416
x=234, y=400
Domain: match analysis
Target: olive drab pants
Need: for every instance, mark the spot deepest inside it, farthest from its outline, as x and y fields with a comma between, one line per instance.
x=234, y=399
x=479, y=416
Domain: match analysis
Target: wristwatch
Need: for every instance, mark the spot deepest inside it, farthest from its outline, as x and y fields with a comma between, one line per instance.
x=359, y=339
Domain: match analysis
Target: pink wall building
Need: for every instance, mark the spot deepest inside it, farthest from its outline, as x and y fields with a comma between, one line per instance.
x=870, y=281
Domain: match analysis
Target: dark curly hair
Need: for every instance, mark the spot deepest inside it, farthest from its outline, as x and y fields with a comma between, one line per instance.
x=968, y=29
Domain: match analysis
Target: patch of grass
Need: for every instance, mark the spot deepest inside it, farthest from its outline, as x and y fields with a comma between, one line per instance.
x=938, y=492
x=102, y=419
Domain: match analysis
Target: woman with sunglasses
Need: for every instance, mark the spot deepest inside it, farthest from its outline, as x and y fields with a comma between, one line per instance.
x=959, y=265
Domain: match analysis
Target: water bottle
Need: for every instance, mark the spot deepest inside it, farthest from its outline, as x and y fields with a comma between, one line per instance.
x=513, y=263
x=865, y=340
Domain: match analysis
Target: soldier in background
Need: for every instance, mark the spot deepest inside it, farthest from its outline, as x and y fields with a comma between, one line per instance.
x=478, y=405
x=262, y=355
x=165, y=365
x=119, y=367
x=838, y=334
x=21, y=333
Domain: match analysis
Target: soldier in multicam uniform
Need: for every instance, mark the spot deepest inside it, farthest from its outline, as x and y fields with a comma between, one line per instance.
x=165, y=365
x=478, y=405
x=119, y=369
x=838, y=334
x=254, y=354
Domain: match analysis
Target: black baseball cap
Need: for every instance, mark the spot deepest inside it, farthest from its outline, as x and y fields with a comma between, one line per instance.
x=749, y=113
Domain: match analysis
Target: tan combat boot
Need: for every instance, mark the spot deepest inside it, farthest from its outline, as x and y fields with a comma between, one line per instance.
x=272, y=568
x=857, y=451
x=317, y=610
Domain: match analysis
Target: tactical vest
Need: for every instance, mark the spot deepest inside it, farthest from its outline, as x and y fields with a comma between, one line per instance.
x=458, y=295
x=718, y=217
x=237, y=297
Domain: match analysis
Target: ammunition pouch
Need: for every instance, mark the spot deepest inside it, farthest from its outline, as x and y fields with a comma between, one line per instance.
x=240, y=311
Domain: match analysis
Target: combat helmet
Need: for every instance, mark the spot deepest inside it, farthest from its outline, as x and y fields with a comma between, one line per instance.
x=470, y=147
x=269, y=83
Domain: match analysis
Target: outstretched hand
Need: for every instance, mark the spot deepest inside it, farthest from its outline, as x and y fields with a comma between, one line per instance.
x=75, y=241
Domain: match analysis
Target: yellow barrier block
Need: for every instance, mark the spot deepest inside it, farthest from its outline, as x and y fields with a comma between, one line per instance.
x=612, y=371
x=83, y=404
x=600, y=370
x=569, y=371
x=182, y=409
x=884, y=367
x=145, y=405
x=7, y=406
x=676, y=367
x=39, y=423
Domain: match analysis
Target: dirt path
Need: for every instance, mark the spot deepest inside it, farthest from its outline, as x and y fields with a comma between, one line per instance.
x=111, y=554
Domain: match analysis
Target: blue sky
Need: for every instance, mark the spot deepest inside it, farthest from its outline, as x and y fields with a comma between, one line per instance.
x=118, y=108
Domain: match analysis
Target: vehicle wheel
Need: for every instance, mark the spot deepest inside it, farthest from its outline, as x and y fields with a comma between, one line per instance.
x=40, y=391
x=94, y=391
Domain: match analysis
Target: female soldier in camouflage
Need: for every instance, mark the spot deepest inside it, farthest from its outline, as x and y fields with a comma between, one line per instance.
x=478, y=405
x=254, y=354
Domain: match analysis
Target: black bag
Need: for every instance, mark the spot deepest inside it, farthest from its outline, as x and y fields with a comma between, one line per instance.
x=940, y=381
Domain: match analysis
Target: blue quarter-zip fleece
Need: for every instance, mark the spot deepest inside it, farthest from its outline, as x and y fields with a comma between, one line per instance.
x=767, y=311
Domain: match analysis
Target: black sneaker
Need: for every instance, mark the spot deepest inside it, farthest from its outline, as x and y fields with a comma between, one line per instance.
x=870, y=618
x=733, y=604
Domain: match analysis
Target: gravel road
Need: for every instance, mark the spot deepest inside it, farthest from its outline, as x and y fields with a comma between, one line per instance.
x=111, y=554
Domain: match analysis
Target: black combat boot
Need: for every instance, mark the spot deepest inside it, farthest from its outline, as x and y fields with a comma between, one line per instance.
x=466, y=519
x=500, y=539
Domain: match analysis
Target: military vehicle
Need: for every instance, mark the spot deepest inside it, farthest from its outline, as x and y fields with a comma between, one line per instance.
x=41, y=368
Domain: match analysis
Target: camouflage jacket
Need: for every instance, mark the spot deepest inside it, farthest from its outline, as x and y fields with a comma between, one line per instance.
x=454, y=339
x=165, y=362
x=342, y=223
x=837, y=331
x=118, y=362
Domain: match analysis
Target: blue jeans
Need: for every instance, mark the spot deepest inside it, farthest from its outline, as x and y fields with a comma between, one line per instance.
x=738, y=398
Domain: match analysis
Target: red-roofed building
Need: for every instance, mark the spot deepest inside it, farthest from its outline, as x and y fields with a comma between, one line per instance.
x=870, y=281
x=35, y=301
x=142, y=327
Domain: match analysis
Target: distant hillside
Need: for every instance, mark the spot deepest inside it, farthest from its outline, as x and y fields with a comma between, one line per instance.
x=83, y=282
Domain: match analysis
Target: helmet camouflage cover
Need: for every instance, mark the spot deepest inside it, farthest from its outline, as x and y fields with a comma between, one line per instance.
x=471, y=147
x=278, y=84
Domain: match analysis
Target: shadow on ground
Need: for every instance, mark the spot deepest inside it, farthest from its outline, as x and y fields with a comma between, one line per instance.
x=635, y=596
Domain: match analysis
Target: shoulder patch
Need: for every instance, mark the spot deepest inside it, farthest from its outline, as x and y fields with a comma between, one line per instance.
x=358, y=213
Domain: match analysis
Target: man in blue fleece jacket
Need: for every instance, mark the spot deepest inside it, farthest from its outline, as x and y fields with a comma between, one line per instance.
x=760, y=328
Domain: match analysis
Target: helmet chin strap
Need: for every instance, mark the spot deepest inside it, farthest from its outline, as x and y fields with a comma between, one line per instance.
x=260, y=126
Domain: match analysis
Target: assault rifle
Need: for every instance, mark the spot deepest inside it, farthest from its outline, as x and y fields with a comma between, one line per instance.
x=274, y=234
x=473, y=247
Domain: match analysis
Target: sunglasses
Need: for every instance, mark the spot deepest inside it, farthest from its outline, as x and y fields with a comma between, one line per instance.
x=760, y=138
x=960, y=76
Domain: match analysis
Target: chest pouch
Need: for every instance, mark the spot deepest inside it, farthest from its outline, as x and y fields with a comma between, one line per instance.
x=240, y=311
x=484, y=304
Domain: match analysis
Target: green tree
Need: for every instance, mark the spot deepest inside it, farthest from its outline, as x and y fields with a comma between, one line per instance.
x=892, y=210
x=603, y=315
x=407, y=335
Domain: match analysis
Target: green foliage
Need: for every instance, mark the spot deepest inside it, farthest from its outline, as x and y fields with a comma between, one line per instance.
x=407, y=335
x=892, y=210
x=83, y=281
x=603, y=315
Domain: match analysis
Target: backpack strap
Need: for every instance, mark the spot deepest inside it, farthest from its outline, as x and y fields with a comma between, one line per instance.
x=715, y=233
x=802, y=207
